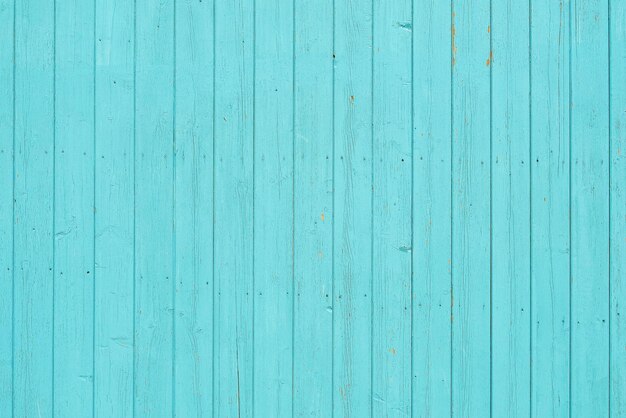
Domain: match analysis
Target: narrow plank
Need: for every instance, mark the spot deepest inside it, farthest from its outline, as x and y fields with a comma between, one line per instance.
x=352, y=319
x=392, y=205
x=74, y=209
x=550, y=242
x=617, y=112
x=313, y=209
x=114, y=197
x=432, y=239
x=589, y=209
x=471, y=351
x=154, y=209
x=233, y=268
x=194, y=209
x=510, y=162
x=273, y=208
x=34, y=206
x=6, y=206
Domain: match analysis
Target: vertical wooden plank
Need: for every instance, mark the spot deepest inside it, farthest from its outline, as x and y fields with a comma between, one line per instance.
x=234, y=193
x=471, y=246
x=313, y=209
x=34, y=203
x=589, y=209
x=392, y=204
x=6, y=205
x=617, y=108
x=431, y=248
x=194, y=209
x=510, y=162
x=589, y=206
x=154, y=209
x=74, y=209
x=352, y=319
x=550, y=208
x=273, y=208
x=114, y=223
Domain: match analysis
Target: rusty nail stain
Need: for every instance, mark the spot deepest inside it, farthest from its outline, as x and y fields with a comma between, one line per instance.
x=392, y=351
x=453, y=41
x=490, y=59
x=322, y=216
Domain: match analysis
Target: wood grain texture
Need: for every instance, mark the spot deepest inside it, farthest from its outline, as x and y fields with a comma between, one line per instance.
x=353, y=147
x=7, y=78
x=114, y=209
x=550, y=215
x=313, y=209
x=273, y=208
x=392, y=204
x=432, y=237
x=510, y=205
x=154, y=210
x=617, y=209
x=471, y=213
x=589, y=206
x=193, y=210
x=353, y=208
x=33, y=219
x=233, y=197
x=74, y=209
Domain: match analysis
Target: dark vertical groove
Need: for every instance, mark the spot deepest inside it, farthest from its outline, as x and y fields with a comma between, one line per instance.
x=213, y=373
x=372, y=228
x=333, y=216
x=610, y=163
x=13, y=226
x=490, y=217
x=174, y=276
x=293, y=206
x=412, y=285
x=569, y=133
x=253, y=192
x=93, y=306
x=452, y=34
x=530, y=207
x=54, y=157
x=134, y=195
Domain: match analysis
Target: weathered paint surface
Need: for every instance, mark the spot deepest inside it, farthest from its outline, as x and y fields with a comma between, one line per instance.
x=291, y=208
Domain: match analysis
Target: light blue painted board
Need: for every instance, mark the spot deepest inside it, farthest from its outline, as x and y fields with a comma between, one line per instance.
x=392, y=205
x=589, y=206
x=193, y=344
x=273, y=208
x=352, y=288
x=114, y=209
x=6, y=206
x=34, y=208
x=432, y=210
x=362, y=179
x=154, y=209
x=471, y=213
x=617, y=113
x=550, y=243
x=74, y=209
x=511, y=216
x=313, y=209
x=233, y=194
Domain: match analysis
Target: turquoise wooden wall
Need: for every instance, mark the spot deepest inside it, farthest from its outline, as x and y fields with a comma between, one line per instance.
x=329, y=208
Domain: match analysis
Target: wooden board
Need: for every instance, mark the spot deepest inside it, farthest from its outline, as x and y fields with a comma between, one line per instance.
x=293, y=209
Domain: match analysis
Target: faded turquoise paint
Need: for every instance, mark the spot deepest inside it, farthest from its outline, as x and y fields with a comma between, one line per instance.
x=292, y=208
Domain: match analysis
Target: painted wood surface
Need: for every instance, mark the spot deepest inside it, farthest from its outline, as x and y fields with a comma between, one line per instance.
x=252, y=208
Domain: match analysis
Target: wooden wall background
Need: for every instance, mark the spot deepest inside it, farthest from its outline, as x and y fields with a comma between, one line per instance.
x=289, y=208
